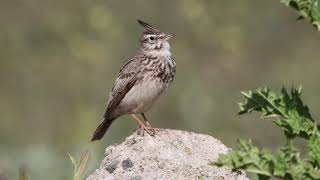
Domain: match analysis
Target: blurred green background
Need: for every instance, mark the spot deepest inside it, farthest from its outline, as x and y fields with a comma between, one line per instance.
x=59, y=58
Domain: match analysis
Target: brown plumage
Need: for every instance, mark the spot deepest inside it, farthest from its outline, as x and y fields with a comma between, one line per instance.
x=141, y=80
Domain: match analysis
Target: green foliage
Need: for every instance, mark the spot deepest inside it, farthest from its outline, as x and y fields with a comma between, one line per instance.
x=80, y=165
x=293, y=117
x=308, y=9
x=290, y=112
x=314, y=146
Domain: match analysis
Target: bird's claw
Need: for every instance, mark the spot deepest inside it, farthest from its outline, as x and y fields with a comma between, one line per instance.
x=150, y=127
x=150, y=130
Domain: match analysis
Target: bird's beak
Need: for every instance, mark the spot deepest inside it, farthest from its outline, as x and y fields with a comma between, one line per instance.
x=168, y=36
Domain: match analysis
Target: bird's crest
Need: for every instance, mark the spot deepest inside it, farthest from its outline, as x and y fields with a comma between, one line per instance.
x=148, y=29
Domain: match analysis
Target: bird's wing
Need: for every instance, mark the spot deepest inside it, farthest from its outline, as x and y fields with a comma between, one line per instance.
x=127, y=77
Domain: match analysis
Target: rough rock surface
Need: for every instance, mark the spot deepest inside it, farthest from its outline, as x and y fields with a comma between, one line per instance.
x=171, y=154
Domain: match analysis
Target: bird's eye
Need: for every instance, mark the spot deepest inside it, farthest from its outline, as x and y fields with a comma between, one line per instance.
x=151, y=38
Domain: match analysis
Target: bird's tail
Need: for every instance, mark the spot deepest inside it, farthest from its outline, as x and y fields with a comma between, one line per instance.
x=102, y=128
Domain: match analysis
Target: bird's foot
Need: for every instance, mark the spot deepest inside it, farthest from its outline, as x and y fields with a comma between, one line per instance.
x=154, y=130
x=150, y=130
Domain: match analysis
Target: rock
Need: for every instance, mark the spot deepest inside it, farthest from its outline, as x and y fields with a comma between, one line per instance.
x=171, y=154
x=126, y=164
x=112, y=166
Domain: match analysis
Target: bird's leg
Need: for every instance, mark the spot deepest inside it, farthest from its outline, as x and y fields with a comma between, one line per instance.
x=143, y=126
x=146, y=120
x=148, y=123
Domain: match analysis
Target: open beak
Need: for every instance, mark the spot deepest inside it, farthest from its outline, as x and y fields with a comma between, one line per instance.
x=168, y=36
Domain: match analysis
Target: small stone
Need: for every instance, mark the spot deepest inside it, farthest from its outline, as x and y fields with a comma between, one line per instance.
x=112, y=166
x=126, y=164
x=136, y=178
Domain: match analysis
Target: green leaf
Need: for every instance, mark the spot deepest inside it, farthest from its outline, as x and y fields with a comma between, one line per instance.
x=312, y=173
x=307, y=9
x=288, y=109
x=248, y=157
x=286, y=2
x=314, y=147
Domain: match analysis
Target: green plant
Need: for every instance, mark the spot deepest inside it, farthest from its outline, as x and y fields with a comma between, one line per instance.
x=80, y=165
x=307, y=9
x=287, y=111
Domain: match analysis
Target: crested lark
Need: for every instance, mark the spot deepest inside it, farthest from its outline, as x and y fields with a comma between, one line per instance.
x=141, y=80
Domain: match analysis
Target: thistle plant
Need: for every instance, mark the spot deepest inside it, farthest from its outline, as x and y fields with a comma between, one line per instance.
x=287, y=111
x=307, y=9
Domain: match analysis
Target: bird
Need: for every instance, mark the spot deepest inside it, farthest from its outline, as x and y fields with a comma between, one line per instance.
x=141, y=81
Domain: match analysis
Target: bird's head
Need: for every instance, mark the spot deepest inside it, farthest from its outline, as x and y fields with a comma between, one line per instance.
x=154, y=41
